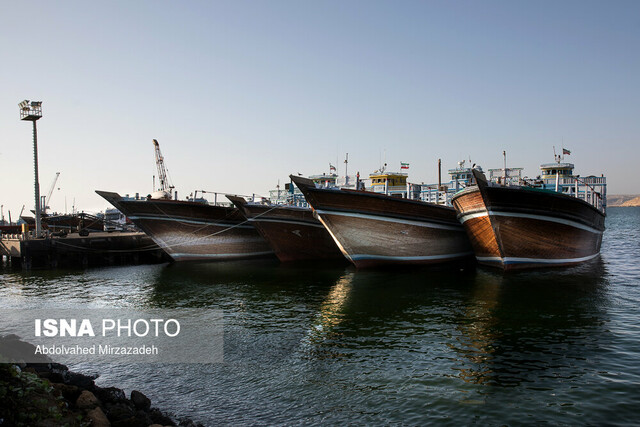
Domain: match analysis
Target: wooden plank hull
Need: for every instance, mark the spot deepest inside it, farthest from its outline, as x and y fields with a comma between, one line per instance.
x=375, y=230
x=190, y=231
x=520, y=227
x=292, y=232
x=68, y=223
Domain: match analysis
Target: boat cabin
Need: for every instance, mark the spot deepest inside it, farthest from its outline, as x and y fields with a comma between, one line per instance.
x=512, y=176
x=559, y=177
x=550, y=170
x=459, y=178
x=390, y=183
x=324, y=180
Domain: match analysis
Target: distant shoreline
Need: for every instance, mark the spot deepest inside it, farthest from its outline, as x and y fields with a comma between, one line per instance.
x=623, y=200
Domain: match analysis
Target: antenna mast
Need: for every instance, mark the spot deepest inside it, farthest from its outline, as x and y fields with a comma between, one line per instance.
x=504, y=154
x=346, y=165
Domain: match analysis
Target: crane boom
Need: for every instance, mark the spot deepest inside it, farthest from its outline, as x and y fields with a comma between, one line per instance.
x=165, y=186
x=48, y=198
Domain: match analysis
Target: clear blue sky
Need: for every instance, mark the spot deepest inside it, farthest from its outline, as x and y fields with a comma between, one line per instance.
x=242, y=93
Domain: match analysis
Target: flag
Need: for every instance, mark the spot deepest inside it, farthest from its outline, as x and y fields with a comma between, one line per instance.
x=404, y=165
x=565, y=151
x=332, y=168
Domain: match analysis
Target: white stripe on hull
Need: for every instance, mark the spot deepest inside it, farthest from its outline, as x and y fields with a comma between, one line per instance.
x=189, y=221
x=516, y=260
x=358, y=257
x=286, y=221
x=390, y=219
x=570, y=223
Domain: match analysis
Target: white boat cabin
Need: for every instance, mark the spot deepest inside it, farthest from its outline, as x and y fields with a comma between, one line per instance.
x=559, y=177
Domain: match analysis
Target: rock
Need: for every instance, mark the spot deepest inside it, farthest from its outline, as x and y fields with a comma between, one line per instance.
x=156, y=425
x=120, y=412
x=128, y=422
x=53, y=377
x=110, y=395
x=58, y=367
x=40, y=368
x=140, y=400
x=185, y=422
x=139, y=419
x=79, y=380
x=159, y=418
x=69, y=392
x=87, y=400
x=98, y=418
x=143, y=419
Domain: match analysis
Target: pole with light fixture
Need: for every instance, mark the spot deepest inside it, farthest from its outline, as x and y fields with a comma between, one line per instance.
x=32, y=111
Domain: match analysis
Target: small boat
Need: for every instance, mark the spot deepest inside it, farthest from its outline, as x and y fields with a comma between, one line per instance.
x=191, y=229
x=555, y=220
x=292, y=231
x=375, y=228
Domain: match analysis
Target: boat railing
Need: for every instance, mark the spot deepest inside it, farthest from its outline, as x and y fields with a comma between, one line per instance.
x=287, y=198
x=389, y=190
x=439, y=197
x=219, y=199
x=297, y=200
x=591, y=189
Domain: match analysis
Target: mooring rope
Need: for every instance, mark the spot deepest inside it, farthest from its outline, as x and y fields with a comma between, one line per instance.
x=86, y=249
x=169, y=244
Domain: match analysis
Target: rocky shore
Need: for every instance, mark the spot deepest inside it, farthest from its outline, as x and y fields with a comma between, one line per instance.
x=49, y=394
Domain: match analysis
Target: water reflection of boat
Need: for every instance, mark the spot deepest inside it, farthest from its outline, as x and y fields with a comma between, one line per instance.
x=292, y=231
x=330, y=315
x=192, y=230
x=524, y=328
x=374, y=229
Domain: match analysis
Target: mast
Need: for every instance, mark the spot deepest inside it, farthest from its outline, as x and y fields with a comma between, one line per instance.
x=504, y=154
x=439, y=181
x=346, y=165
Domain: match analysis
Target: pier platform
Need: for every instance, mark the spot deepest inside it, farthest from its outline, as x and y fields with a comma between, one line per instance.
x=73, y=251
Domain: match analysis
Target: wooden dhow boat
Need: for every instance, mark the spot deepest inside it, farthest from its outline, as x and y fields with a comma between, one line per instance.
x=292, y=231
x=193, y=230
x=67, y=223
x=374, y=229
x=556, y=220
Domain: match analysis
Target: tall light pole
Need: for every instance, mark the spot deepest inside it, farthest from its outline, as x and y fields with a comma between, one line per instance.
x=32, y=111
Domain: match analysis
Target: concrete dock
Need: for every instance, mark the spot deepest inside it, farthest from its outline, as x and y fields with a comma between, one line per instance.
x=96, y=249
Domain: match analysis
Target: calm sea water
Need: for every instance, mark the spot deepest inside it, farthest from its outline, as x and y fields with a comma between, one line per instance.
x=335, y=345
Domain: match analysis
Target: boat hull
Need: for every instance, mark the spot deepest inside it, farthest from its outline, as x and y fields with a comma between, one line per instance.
x=67, y=223
x=190, y=231
x=521, y=228
x=375, y=230
x=292, y=232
